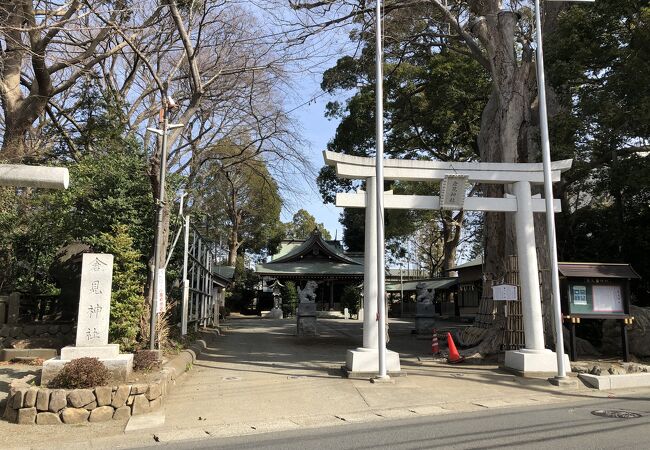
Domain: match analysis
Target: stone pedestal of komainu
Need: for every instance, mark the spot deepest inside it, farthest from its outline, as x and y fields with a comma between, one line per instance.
x=306, y=312
x=424, y=314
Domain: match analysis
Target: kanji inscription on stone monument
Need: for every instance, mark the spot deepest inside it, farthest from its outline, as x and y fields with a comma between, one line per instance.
x=94, y=299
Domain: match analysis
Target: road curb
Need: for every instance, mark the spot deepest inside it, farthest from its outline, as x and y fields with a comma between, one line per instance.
x=607, y=382
x=182, y=363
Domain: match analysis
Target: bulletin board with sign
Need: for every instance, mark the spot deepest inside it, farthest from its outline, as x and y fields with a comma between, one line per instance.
x=596, y=292
x=587, y=299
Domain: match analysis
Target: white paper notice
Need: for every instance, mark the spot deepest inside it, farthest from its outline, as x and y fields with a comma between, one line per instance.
x=607, y=299
x=504, y=292
x=161, y=295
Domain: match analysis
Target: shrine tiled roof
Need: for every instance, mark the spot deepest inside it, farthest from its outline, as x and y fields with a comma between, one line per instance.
x=314, y=246
x=313, y=258
x=310, y=268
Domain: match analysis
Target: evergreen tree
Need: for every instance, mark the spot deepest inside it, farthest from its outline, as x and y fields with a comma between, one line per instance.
x=302, y=226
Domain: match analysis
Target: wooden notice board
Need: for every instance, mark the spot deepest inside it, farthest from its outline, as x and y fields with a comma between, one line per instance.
x=596, y=291
x=596, y=299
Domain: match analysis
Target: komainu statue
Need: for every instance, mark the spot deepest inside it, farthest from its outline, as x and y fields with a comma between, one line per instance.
x=424, y=295
x=308, y=294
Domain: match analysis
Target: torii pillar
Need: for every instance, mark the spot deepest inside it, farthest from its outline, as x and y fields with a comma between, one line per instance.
x=362, y=361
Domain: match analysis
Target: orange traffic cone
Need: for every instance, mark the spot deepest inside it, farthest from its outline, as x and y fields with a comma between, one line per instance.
x=454, y=357
x=435, y=348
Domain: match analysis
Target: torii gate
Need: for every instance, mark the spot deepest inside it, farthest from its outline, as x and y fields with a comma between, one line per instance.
x=534, y=357
x=34, y=176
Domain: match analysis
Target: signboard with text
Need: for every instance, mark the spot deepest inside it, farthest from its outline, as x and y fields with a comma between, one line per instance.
x=94, y=299
x=452, y=192
x=504, y=292
x=596, y=299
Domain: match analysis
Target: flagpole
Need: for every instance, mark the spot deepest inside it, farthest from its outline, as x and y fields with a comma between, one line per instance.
x=379, y=186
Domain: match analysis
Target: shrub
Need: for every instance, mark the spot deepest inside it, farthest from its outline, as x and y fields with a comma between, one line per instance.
x=164, y=324
x=81, y=373
x=289, y=299
x=146, y=360
x=127, y=296
x=351, y=299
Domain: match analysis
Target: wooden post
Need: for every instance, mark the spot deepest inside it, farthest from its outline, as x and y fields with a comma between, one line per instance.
x=626, y=348
x=331, y=294
x=574, y=349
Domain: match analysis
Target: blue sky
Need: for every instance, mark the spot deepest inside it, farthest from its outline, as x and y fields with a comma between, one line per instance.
x=316, y=130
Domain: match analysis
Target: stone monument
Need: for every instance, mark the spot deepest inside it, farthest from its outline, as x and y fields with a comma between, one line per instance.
x=306, y=312
x=424, y=313
x=93, y=322
x=13, y=308
x=276, y=312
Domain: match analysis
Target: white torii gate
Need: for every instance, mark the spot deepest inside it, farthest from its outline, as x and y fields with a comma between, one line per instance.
x=20, y=175
x=534, y=357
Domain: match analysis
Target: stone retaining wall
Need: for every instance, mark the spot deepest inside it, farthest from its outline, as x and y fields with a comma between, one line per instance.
x=30, y=404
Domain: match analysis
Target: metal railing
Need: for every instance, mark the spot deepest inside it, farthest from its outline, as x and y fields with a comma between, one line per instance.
x=199, y=302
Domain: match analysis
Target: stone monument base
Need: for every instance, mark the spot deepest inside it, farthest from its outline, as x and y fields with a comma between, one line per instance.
x=107, y=351
x=120, y=366
x=534, y=362
x=424, y=325
x=306, y=326
x=276, y=313
x=364, y=363
x=306, y=319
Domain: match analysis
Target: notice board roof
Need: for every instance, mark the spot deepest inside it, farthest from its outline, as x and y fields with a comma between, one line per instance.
x=596, y=270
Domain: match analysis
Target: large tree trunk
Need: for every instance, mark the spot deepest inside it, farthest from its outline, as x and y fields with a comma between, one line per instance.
x=503, y=138
x=451, y=231
x=14, y=144
x=21, y=111
x=504, y=126
x=510, y=133
x=233, y=246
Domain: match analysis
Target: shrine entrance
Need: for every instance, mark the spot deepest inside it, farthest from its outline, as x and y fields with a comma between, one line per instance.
x=517, y=179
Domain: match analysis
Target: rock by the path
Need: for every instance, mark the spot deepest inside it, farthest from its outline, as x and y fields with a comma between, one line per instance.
x=122, y=413
x=103, y=395
x=80, y=397
x=43, y=399
x=74, y=415
x=638, y=334
x=26, y=416
x=47, y=418
x=120, y=396
x=101, y=414
x=58, y=400
x=30, y=398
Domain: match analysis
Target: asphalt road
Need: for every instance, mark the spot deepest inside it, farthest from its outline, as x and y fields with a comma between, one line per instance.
x=557, y=426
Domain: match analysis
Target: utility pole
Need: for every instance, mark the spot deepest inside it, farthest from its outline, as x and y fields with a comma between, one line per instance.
x=168, y=104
